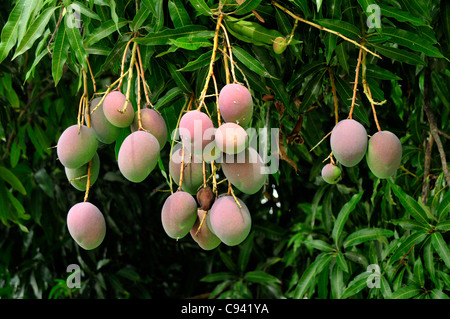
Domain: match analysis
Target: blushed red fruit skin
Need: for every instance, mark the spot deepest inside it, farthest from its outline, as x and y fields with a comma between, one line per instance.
x=138, y=156
x=246, y=174
x=204, y=238
x=152, y=122
x=73, y=173
x=348, y=142
x=76, y=149
x=86, y=225
x=103, y=129
x=228, y=222
x=192, y=172
x=231, y=138
x=196, y=131
x=179, y=214
x=384, y=154
x=236, y=104
x=113, y=103
x=331, y=173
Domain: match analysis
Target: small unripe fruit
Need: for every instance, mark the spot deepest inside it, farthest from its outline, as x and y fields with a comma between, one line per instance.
x=179, y=214
x=348, y=142
x=384, y=154
x=236, y=104
x=103, y=129
x=331, y=173
x=138, y=156
x=279, y=45
x=74, y=174
x=153, y=123
x=76, y=148
x=204, y=237
x=86, y=225
x=205, y=198
x=113, y=106
x=231, y=138
x=229, y=222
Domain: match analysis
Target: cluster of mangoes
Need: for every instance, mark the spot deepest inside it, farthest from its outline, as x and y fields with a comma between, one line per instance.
x=350, y=143
x=137, y=157
x=225, y=219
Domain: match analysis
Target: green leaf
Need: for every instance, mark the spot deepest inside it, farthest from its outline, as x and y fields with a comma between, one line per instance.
x=81, y=8
x=400, y=15
x=410, y=224
x=45, y=182
x=438, y=294
x=340, y=260
x=356, y=285
x=219, y=276
x=34, y=32
x=12, y=180
x=178, y=14
x=337, y=282
x=202, y=61
x=320, y=245
x=312, y=90
x=440, y=246
x=400, y=55
x=345, y=28
x=245, y=252
x=406, y=292
x=201, y=7
x=418, y=272
x=60, y=53
x=253, y=31
x=140, y=18
x=303, y=6
x=411, y=206
x=412, y=240
x=343, y=215
x=412, y=41
x=76, y=44
x=104, y=30
x=310, y=273
x=164, y=37
x=441, y=87
x=250, y=62
x=179, y=79
x=10, y=30
x=191, y=43
x=246, y=7
x=366, y=234
x=443, y=225
x=260, y=276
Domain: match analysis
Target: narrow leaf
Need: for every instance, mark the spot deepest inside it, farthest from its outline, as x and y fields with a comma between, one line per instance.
x=246, y=7
x=343, y=215
x=12, y=180
x=440, y=246
x=201, y=7
x=10, y=29
x=366, y=234
x=60, y=53
x=250, y=62
x=407, y=292
x=34, y=32
x=260, y=277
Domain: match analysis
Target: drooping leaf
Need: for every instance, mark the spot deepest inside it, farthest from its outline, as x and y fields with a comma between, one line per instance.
x=60, y=53
x=343, y=215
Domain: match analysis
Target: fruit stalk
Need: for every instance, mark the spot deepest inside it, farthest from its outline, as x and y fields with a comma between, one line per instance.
x=355, y=85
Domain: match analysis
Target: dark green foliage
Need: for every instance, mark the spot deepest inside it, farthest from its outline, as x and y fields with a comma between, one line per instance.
x=308, y=238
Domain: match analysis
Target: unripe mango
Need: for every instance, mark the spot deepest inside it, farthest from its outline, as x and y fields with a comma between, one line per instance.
x=113, y=106
x=86, y=225
x=179, y=214
x=204, y=238
x=384, y=154
x=229, y=222
x=236, y=104
x=138, y=156
x=348, y=142
x=153, y=123
x=76, y=147
x=331, y=173
x=74, y=174
x=103, y=129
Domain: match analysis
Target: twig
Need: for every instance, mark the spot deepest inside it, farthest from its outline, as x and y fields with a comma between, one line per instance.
x=426, y=169
x=333, y=89
x=355, y=86
x=323, y=28
x=433, y=127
